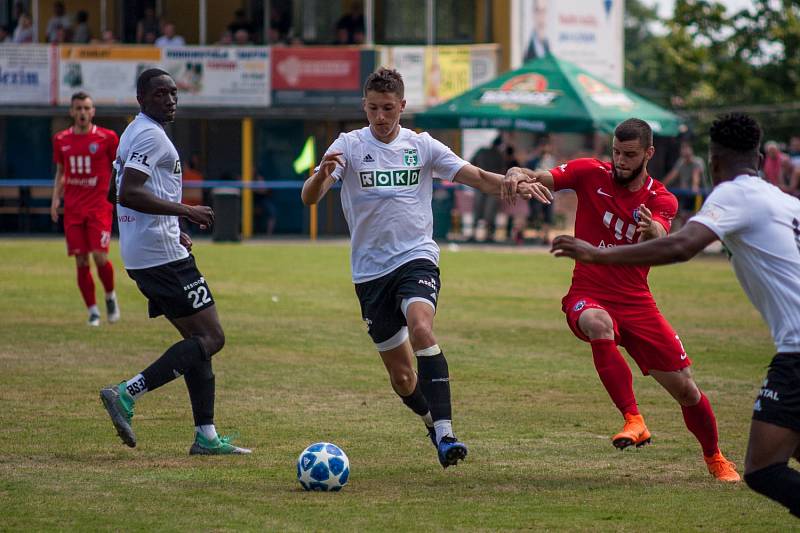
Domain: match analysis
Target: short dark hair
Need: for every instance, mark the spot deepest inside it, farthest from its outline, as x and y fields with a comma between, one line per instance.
x=385, y=80
x=635, y=128
x=737, y=132
x=80, y=95
x=143, y=82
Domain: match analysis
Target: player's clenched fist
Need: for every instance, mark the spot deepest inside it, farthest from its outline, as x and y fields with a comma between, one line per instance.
x=329, y=162
x=201, y=215
x=577, y=249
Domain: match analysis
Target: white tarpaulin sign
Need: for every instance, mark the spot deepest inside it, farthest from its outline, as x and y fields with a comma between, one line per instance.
x=26, y=74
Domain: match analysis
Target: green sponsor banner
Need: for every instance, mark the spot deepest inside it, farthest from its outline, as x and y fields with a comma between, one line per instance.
x=408, y=177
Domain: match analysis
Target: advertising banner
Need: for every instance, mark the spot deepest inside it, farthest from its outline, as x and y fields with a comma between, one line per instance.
x=449, y=72
x=588, y=33
x=107, y=73
x=409, y=61
x=220, y=76
x=319, y=76
x=26, y=74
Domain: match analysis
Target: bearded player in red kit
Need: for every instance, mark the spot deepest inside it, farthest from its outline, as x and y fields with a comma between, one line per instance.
x=83, y=155
x=608, y=305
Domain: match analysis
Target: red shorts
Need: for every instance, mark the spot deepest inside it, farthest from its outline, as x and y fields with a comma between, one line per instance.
x=86, y=233
x=640, y=329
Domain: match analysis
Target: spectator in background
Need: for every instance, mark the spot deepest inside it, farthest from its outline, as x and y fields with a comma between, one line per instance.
x=148, y=25
x=240, y=22
x=226, y=39
x=82, y=34
x=542, y=216
x=519, y=211
x=350, y=27
x=59, y=18
x=106, y=37
x=491, y=159
x=280, y=24
x=19, y=10
x=23, y=34
x=5, y=34
x=170, y=37
x=684, y=181
x=777, y=168
x=242, y=37
x=61, y=36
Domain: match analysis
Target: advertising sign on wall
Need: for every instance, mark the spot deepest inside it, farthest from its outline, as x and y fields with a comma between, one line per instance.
x=223, y=76
x=108, y=73
x=26, y=74
x=319, y=76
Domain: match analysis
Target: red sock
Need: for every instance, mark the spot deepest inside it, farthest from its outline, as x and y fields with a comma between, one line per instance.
x=701, y=422
x=615, y=374
x=86, y=285
x=106, y=274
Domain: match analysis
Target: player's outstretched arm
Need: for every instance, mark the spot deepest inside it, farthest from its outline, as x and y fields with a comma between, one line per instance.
x=676, y=248
x=507, y=188
x=58, y=192
x=134, y=195
x=322, y=180
x=543, y=177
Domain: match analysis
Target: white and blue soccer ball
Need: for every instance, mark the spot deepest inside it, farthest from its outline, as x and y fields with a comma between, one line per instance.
x=323, y=466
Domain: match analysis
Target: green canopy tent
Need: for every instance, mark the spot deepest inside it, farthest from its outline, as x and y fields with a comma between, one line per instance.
x=547, y=95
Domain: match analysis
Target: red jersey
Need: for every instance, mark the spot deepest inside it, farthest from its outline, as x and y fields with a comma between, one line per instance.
x=87, y=160
x=607, y=216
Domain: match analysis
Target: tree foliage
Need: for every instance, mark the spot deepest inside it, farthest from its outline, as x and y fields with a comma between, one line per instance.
x=704, y=60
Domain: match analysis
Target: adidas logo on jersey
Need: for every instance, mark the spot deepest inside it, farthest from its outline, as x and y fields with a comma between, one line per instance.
x=389, y=178
x=368, y=159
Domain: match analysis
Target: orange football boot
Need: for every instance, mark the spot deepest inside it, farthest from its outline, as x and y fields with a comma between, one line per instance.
x=634, y=433
x=722, y=469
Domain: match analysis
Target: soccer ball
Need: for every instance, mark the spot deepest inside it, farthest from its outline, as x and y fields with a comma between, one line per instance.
x=323, y=466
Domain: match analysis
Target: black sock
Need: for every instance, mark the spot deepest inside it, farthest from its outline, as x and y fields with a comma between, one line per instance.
x=416, y=401
x=200, y=383
x=179, y=359
x=777, y=482
x=434, y=380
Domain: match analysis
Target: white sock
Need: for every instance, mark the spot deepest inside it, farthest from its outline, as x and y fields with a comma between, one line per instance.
x=208, y=431
x=428, y=419
x=93, y=310
x=136, y=386
x=111, y=295
x=444, y=428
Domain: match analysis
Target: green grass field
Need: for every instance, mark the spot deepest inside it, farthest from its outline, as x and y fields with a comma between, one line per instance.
x=298, y=367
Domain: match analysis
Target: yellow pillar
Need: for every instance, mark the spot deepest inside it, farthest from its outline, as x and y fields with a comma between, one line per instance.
x=247, y=177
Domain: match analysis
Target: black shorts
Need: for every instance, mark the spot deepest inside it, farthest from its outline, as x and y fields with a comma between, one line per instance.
x=778, y=400
x=175, y=289
x=381, y=299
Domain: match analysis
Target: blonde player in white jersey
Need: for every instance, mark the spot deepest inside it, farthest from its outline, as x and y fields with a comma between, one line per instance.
x=387, y=175
x=760, y=227
x=156, y=256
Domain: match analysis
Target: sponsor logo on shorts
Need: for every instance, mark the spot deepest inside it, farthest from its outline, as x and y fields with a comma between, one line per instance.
x=195, y=283
x=389, y=178
x=757, y=405
x=769, y=394
x=431, y=283
x=368, y=322
x=580, y=305
x=126, y=218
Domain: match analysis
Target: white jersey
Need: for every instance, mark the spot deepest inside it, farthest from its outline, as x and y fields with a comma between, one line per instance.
x=760, y=226
x=149, y=240
x=386, y=197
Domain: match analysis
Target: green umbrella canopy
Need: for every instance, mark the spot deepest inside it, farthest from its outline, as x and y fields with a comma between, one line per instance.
x=547, y=95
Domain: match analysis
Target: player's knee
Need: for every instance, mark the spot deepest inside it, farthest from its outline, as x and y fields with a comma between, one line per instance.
x=421, y=334
x=82, y=260
x=213, y=340
x=687, y=393
x=100, y=259
x=403, y=380
x=600, y=327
